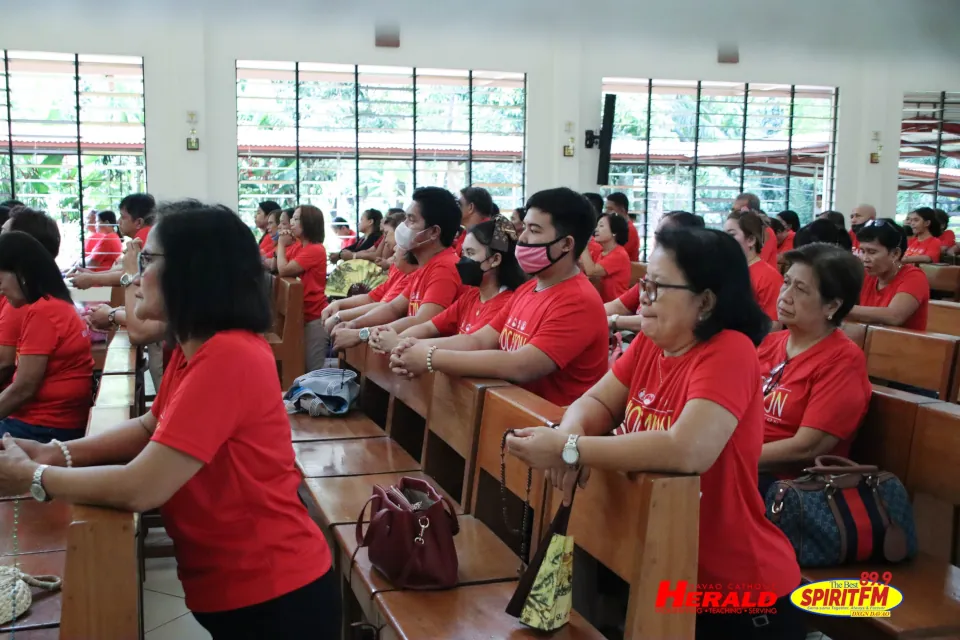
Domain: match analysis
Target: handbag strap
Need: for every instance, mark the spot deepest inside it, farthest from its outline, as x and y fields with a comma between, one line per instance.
x=361, y=542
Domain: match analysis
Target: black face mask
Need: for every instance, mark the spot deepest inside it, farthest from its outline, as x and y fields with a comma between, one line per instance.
x=471, y=272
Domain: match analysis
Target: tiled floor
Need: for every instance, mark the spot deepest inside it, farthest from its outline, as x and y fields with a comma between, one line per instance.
x=165, y=617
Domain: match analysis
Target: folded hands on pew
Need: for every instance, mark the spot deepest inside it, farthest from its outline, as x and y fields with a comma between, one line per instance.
x=383, y=340
x=16, y=468
x=409, y=358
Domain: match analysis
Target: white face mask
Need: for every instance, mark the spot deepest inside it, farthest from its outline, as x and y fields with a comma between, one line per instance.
x=406, y=237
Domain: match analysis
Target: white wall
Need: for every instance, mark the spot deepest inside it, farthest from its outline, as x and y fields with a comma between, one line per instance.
x=872, y=49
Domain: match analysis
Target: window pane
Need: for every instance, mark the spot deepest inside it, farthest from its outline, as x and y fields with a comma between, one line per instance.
x=266, y=178
x=499, y=108
x=504, y=181
x=443, y=128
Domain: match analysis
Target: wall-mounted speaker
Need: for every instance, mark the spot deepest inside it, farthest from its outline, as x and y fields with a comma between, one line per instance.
x=387, y=35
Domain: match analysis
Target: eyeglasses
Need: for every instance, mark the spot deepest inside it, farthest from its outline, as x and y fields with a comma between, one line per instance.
x=776, y=374
x=651, y=288
x=877, y=222
x=145, y=259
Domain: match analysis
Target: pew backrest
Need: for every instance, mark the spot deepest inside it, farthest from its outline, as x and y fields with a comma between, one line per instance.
x=638, y=271
x=857, y=332
x=288, y=345
x=944, y=280
x=915, y=358
x=944, y=317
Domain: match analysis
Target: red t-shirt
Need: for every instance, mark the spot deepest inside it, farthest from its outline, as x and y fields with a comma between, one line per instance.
x=109, y=247
x=825, y=388
x=947, y=239
x=468, y=314
x=617, y=265
x=566, y=322
x=631, y=299
x=11, y=319
x=142, y=235
x=436, y=282
x=313, y=259
x=458, y=241
x=787, y=244
x=293, y=249
x=392, y=287
x=769, y=251
x=738, y=545
x=853, y=240
x=53, y=328
x=767, y=282
x=267, y=246
x=909, y=279
x=633, y=242
x=241, y=534
x=91, y=242
x=929, y=247
x=594, y=248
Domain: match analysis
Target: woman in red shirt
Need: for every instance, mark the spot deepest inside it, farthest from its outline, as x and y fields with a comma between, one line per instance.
x=924, y=246
x=815, y=385
x=748, y=230
x=948, y=239
x=49, y=397
x=611, y=265
x=310, y=264
x=687, y=397
x=109, y=246
x=486, y=291
x=894, y=294
x=214, y=451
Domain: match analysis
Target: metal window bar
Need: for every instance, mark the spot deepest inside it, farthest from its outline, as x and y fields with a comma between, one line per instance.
x=696, y=145
x=523, y=153
x=76, y=97
x=743, y=137
x=940, y=123
x=296, y=128
x=793, y=99
x=414, y=133
x=470, y=127
x=646, y=170
x=833, y=148
x=6, y=74
x=356, y=148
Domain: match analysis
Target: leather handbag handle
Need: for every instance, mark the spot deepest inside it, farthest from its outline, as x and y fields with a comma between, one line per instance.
x=837, y=465
x=452, y=513
x=359, y=532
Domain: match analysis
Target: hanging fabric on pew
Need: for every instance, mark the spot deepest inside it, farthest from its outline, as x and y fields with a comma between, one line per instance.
x=842, y=513
x=324, y=392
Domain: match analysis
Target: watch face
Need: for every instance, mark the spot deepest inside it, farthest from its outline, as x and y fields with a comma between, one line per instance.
x=38, y=493
x=364, y=334
x=570, y=455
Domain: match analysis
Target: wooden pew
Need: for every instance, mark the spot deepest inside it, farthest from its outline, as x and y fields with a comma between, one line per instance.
x=643, y=529
x=944, y=317
x=944, y=280
x=638, y=271
x=915, y=358
x=856, y=332
x=287, y=339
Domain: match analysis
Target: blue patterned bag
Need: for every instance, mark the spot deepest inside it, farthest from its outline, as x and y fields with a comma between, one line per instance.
x=841, y=512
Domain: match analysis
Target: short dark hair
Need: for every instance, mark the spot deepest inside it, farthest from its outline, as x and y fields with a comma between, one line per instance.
x=836, y=218
x=10, y=204
x=684, y=219
x=311, y=221
x=930, y=216
x=751, y=224
x=791, y=218
x=620, y=199
x=886, y=232
x=479, y=198
x=596, y=200
x=839, y=274
x=753, y=201
x=619, y=227
x=4, y=214
x=394, y=219
x=521, y=212
x=393, y=210
x=376, y=217
x=570, y=213
x=711, y=259
x=275, y=215
x=821, y=230
x=36, y=270
x=110, y=218
x=496, y=210
x=509, y=272
x=140, y=206
x=212, y=277
x=439, y=208
x=268, y=205
x=39, y=225
x=777, y=225
x=943, y=218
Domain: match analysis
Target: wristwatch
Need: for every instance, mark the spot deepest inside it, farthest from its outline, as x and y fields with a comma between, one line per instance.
x=126, y=279
x=571, y=454
x=613, y=320
x=36, y=487
x=364, y=334
x=112, y=318
x=336, y=318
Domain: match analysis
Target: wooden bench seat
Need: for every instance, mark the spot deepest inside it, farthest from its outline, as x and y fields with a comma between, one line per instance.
x=360, y=456
x=352, y=425
x=42, y=526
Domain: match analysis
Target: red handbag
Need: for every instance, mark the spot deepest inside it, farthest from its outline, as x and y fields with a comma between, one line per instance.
x=410, y=535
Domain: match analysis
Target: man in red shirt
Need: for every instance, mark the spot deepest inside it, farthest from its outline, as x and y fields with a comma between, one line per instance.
x=552, y=338
x=136, y=217
x=619, y=204
x=476, y=206
x=427, y=233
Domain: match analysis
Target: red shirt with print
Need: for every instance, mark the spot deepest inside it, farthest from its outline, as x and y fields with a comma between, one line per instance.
x=631, y=299
x=947, y=239
x=436, y=282
x=312, y=258
x=108, y=248
x=929, y=247
x=617, y=265
x=469, y=314
x=242, y=535
x=738, y=545
x=768, y=253
x=53, y=328
x=766, y=282
x=633, y=242
x=824, y=388
x=566, y=322
x=787, y=244
x=910, y=279
x=392, y=287
x=267, y=246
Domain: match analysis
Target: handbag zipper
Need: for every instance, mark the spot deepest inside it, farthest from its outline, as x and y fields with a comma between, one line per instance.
x=402, y=499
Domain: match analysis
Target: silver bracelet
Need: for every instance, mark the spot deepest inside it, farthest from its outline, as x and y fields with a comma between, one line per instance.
x=65, y=450
x=430, y=359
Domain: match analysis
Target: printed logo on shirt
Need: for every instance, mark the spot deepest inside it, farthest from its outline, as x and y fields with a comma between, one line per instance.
x=641, y=416
x=514, y=335
x=775, y=402
x=413, y=307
